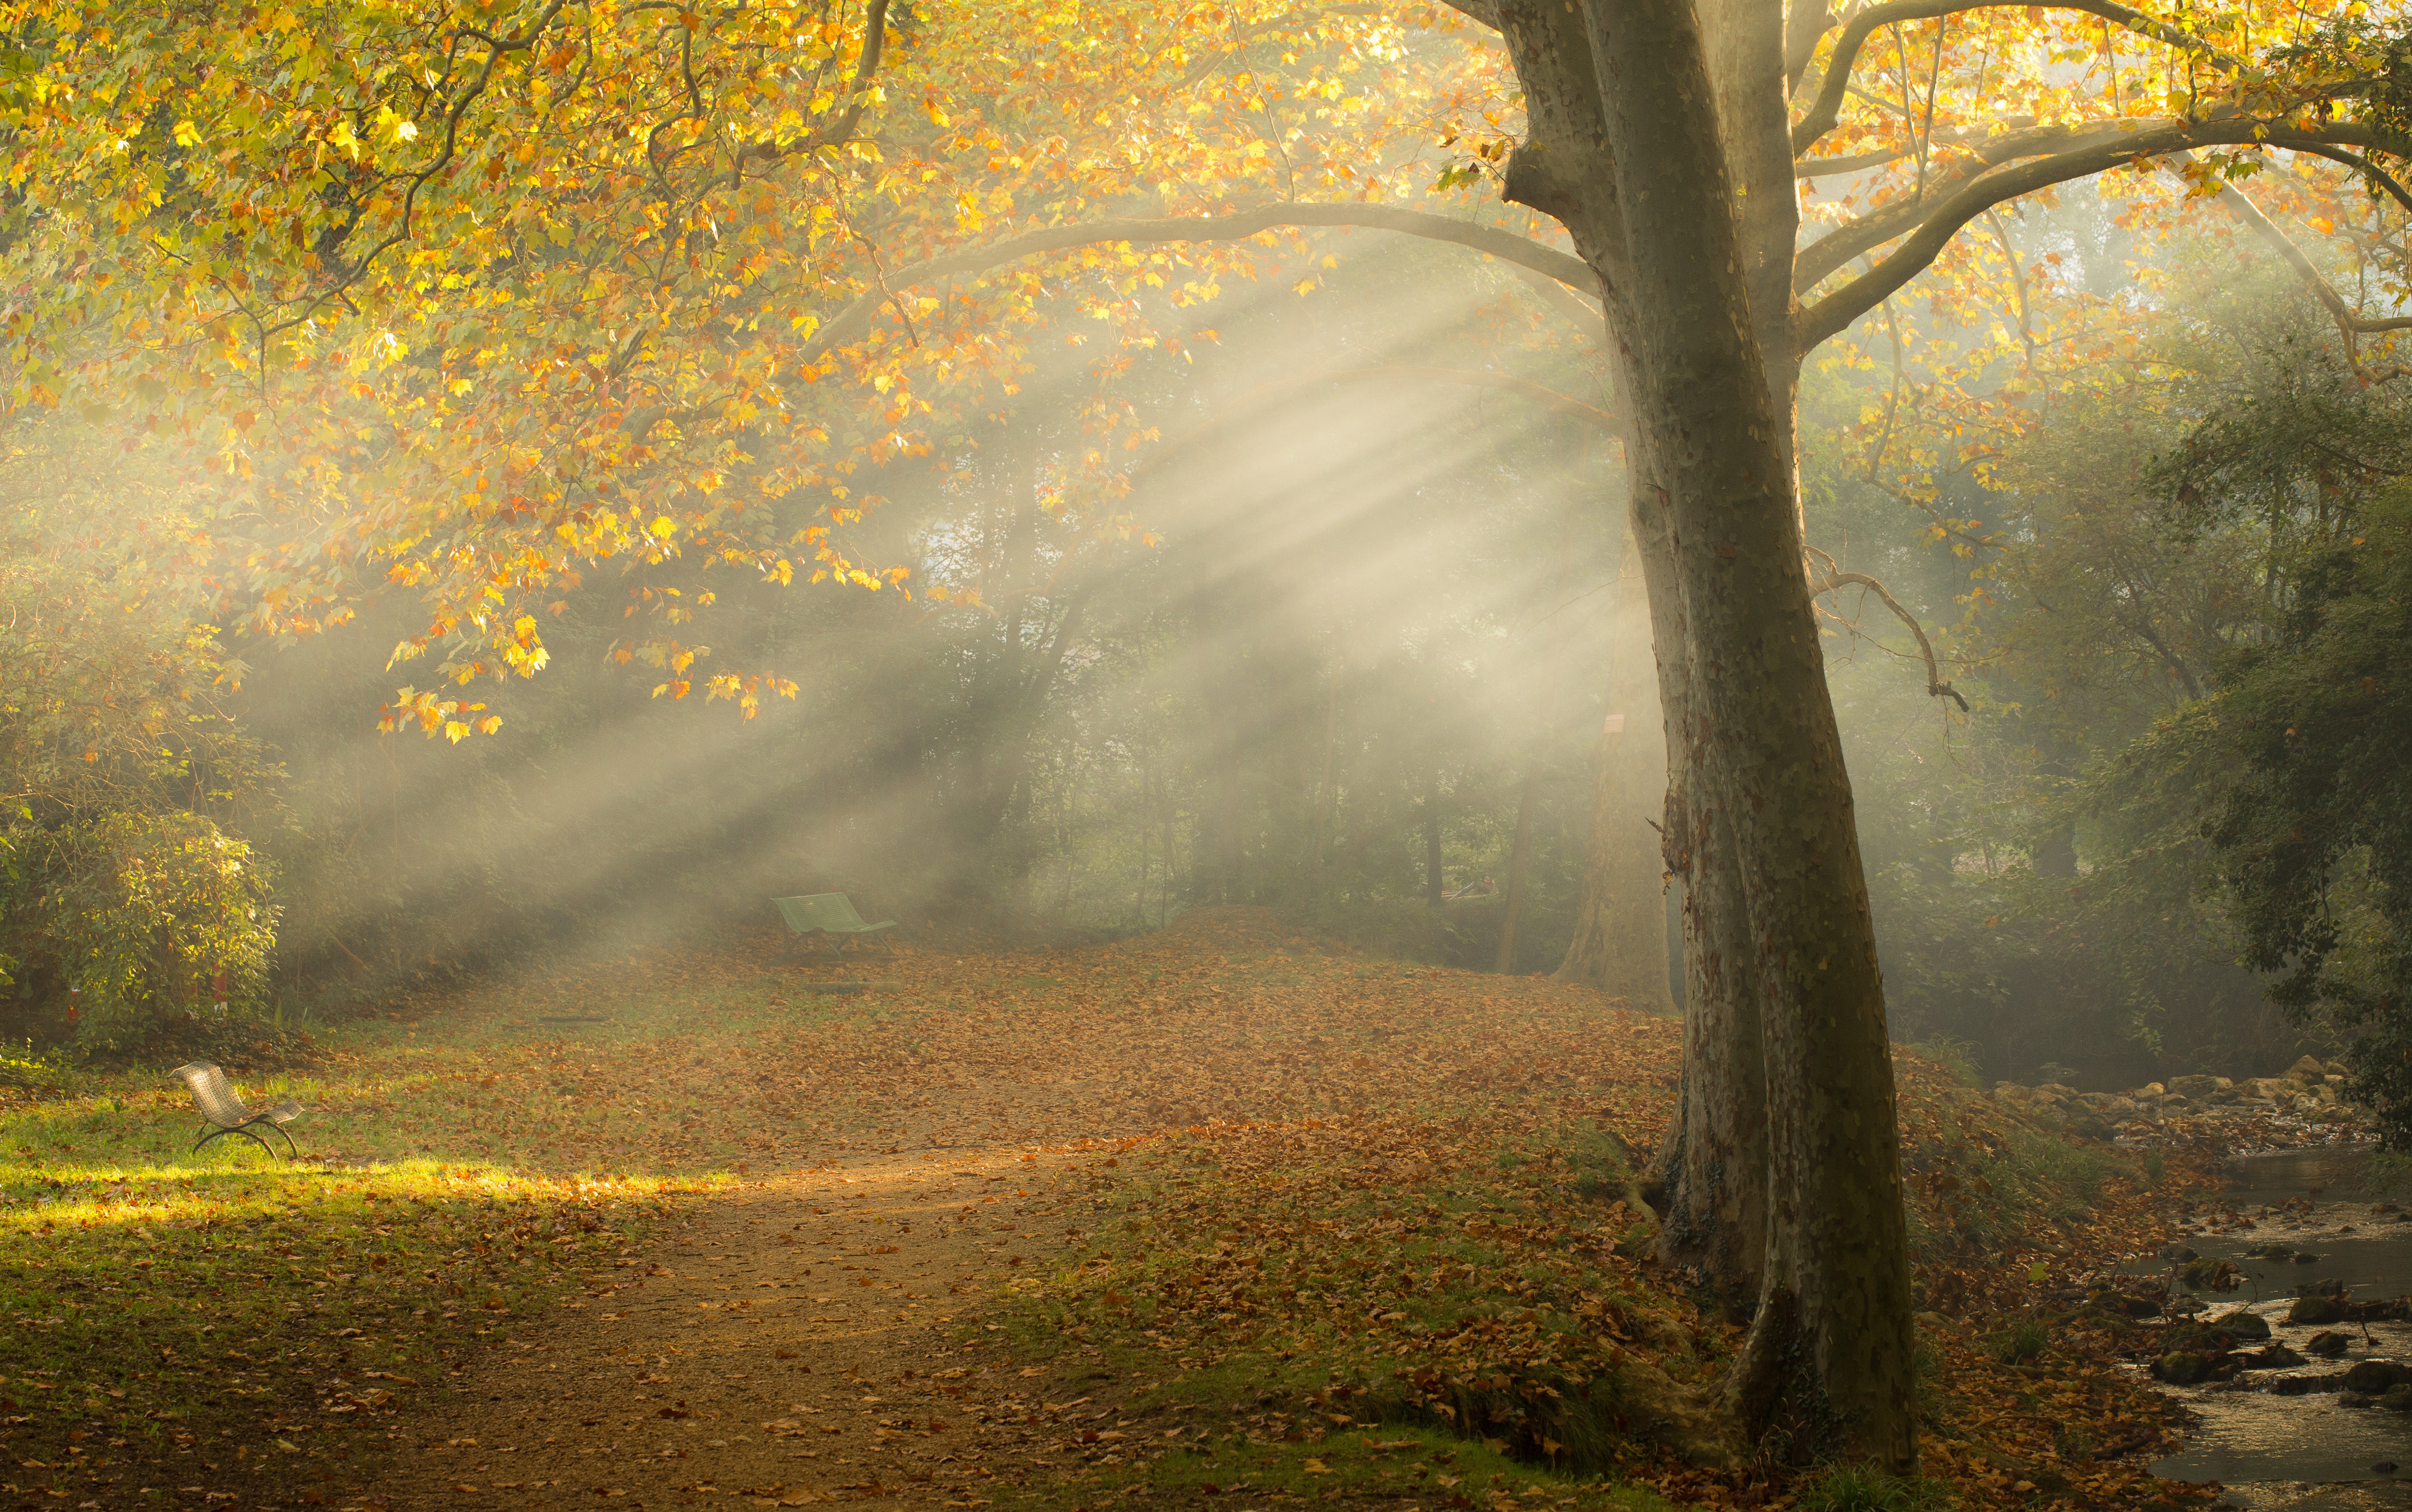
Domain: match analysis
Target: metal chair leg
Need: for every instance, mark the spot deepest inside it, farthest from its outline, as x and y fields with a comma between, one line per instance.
x=243, y=1129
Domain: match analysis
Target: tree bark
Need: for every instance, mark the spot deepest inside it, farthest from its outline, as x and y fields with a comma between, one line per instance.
x=1506, y=961
x=1620, y=935
x=1635, y=153
x=1436, y=885
x=1711, y=1171
x=1325, y=794
x=1830, y=1347
x=1227, y=851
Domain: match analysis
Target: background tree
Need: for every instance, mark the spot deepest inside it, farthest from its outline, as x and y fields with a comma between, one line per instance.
x=126, y=879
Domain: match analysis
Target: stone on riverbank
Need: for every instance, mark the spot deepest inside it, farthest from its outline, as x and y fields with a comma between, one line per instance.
x=2181, y=1367
x=2372, y=1377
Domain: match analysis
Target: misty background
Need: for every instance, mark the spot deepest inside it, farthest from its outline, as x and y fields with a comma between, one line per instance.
x=1298, y=615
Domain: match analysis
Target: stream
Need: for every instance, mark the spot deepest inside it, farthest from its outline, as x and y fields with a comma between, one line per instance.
x=2309, y=1451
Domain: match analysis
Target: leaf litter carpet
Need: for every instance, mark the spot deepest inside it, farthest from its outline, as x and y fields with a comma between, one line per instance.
x=813, y=1336
x=830, y=1333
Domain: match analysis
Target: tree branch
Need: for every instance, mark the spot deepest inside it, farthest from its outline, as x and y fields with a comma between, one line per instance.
x=1837, y=77
x=1836, y=311
x=496, y=47
x=1831, y=251
x=2379, y=177
x=1835, y=578
x=1584, y=314
x=874, y=41
x=2348, y=324
x=853, y=322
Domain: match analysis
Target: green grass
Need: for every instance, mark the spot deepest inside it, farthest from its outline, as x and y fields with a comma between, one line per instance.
x=1850, y=1489
x=1201, y=1453
x=177, y=1303
x=460, y=1171
x=1978, y=1180
x=2021, y=1344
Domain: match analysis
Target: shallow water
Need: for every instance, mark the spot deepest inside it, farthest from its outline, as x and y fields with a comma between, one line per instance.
x=2304, y=1451
x=2325, y=1173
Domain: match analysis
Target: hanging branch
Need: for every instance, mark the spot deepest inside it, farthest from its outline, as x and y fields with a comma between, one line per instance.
x=1833, y=578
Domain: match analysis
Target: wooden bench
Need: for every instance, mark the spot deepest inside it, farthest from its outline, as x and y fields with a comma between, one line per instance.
x=828, y=913
x=216, y=1098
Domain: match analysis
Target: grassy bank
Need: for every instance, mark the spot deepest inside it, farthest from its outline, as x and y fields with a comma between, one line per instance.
x=1460, y=1303
x=178, y=1316
x=1448, y=1303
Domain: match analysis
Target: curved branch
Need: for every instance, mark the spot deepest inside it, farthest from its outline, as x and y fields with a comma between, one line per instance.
x=1996, y=140
x=851, y=323
x=1834, y=577
x=2378, y=177
x=874, y=41
x=1831, y=251
x=1837, y=77
x=1836, y=311
x=2348, y=323
x=841, y=131
x=1809, y=168
x=496, y=47
x=1582, y=314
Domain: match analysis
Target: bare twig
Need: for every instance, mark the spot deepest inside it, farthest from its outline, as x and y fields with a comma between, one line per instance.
x=1833, y=578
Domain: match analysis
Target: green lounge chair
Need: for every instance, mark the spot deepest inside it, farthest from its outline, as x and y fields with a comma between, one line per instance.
x=830, y=914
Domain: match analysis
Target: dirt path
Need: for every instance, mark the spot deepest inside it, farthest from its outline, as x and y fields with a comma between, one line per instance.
x=795, y=1343
x=800, y=1340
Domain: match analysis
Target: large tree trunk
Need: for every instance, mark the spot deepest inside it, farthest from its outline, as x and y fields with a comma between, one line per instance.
x=1712, y=1170
x=1620, y=935
x=1517, y=861
x=1832, y=1341
x=1627, y=150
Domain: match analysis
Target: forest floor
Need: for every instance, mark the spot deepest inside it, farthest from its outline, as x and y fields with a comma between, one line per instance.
x=1216, y=1217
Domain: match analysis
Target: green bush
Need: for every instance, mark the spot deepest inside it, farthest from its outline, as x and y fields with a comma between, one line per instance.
x=148, y=906
x=121, y=889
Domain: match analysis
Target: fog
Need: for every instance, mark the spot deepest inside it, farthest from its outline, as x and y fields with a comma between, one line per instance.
x=1300, y=598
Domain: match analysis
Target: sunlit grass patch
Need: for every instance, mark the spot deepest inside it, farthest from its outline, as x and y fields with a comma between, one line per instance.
x=461, y=1170
x=166, y=1305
